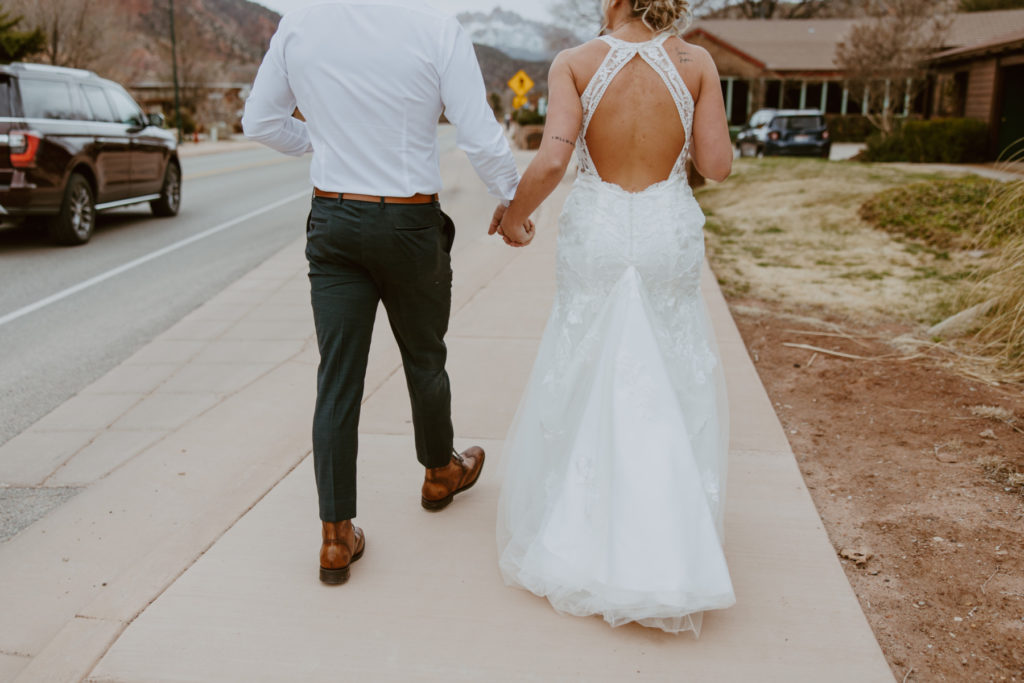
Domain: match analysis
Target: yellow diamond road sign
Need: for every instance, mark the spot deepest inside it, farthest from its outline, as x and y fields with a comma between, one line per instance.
x=520, y=101
x=521, y=83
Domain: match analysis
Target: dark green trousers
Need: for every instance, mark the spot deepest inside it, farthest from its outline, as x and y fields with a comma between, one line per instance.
x=361, y=254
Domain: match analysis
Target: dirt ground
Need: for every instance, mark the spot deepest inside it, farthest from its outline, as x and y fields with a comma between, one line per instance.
x=902, y=458
x=916, y=470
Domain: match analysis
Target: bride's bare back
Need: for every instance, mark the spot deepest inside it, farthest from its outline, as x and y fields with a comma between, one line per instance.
x=636, y=135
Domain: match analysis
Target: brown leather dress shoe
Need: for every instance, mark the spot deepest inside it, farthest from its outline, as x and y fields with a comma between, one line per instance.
x=442, y=483
x=343, y=544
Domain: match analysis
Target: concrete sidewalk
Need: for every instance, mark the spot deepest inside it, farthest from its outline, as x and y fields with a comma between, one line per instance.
x=191, y=553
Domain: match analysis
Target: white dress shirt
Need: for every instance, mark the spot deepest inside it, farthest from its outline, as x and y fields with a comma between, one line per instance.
x=371, y=78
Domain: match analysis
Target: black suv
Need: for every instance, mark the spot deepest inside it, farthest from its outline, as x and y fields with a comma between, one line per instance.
x=72, y=144
x=785, y=131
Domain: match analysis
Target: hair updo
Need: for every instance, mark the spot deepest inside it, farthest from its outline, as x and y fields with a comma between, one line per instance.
x=662, y=15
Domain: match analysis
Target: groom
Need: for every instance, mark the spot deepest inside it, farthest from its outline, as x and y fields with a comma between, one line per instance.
x=371, y=78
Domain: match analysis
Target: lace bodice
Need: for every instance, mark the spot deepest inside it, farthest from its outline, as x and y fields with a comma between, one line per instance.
x=622, y=53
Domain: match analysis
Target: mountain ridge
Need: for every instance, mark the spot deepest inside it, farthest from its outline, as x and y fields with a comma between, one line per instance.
x=515, y=35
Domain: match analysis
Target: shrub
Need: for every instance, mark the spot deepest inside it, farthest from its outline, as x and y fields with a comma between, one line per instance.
x=971, y=213
x=848, y=127
x=949, y=141
x=948, y=213
x=188, y=122
x=528, y=117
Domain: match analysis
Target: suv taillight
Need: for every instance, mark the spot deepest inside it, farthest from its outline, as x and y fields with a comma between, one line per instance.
x=24, y=145
x=774, y=135
x=824, y=135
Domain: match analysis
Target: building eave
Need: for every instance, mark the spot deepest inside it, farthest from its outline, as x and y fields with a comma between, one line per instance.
x=726, y=46
x=973, y=52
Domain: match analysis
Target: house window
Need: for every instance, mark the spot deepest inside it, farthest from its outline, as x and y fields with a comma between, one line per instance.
x=960, y=92
x=740, y=103
x=834, y=98
x=812, y=99
x=791, y=94
x=772, y=90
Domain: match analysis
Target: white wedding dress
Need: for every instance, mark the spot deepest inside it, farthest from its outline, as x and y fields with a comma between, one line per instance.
x=615, y=465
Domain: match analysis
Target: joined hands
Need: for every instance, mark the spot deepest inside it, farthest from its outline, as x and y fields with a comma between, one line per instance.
x=514, y=236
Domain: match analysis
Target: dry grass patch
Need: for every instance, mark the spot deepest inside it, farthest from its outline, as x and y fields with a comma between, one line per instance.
x=997, y=413
x=1001, y=472
x=881, y=243
x=986, y=217
x=999, y=339
x=790, y=231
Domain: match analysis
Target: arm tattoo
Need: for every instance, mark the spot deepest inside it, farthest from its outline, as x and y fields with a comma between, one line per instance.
x=561, y=139
x=683, y=57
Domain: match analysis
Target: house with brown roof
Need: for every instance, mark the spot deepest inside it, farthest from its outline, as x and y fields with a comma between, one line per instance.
x=790, y=63
x=985, y=81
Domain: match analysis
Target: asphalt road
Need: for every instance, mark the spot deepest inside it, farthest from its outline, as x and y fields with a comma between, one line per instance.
x=51, y=349
x=69, y=315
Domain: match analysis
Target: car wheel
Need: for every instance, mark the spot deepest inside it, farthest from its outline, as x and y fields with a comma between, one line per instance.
x=77, y=218
x=748, y=149
x=170, y=194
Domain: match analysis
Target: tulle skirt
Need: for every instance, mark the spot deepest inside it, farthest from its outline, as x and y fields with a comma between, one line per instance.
x=615, y=464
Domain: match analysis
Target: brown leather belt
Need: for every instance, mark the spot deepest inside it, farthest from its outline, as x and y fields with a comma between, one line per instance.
x=377, y=199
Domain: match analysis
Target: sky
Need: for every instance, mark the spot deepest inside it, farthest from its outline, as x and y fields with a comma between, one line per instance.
x=531, y=9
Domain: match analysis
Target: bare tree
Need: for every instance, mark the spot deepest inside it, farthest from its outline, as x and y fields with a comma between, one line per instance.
x=883, y=56
x=198, y=68
x=584, y=16
x=773, y=9
x=79, y=33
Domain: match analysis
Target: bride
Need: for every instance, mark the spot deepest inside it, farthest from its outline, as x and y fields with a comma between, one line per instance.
x=615, y=464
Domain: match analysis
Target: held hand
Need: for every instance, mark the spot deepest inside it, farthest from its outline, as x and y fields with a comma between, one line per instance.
x=496, y=220
x=519, y=236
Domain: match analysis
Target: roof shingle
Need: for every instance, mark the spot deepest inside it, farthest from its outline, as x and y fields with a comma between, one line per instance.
x=810, y=44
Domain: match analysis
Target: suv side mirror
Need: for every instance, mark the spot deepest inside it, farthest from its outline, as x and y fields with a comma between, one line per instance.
x=156, y=119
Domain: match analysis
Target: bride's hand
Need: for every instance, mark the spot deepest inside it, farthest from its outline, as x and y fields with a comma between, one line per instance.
x=519, y=236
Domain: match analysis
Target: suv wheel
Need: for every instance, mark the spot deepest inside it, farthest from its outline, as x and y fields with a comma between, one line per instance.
x=748, y=149
x=170, y=194
x=77, y=218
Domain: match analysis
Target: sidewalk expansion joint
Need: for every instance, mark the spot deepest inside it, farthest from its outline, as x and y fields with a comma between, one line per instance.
x=221, y=399
x=188, y=565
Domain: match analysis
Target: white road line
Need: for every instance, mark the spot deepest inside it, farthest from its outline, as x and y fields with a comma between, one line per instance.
x=102, y=277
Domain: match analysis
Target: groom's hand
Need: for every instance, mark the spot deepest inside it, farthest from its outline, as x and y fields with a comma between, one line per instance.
x=496, y=220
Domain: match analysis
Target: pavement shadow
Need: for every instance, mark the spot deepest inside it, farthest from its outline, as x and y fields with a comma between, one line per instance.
x=33, y=235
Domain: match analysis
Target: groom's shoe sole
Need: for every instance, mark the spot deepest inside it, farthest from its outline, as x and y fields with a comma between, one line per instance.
x=336, y=577
x=438, y=505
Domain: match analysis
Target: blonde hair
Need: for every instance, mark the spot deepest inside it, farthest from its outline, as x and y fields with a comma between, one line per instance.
x=662, y=15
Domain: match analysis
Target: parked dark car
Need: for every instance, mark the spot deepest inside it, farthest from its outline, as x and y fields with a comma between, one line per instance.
x=796, y=132
x=73, y=144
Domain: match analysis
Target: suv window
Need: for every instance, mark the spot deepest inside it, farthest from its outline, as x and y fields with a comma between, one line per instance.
x=800, y=123
x=5, y=96
x=125, y=109
x=46, y=99
x=101, y=110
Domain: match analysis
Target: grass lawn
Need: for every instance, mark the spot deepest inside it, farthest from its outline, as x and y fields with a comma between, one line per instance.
x=792, y=231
